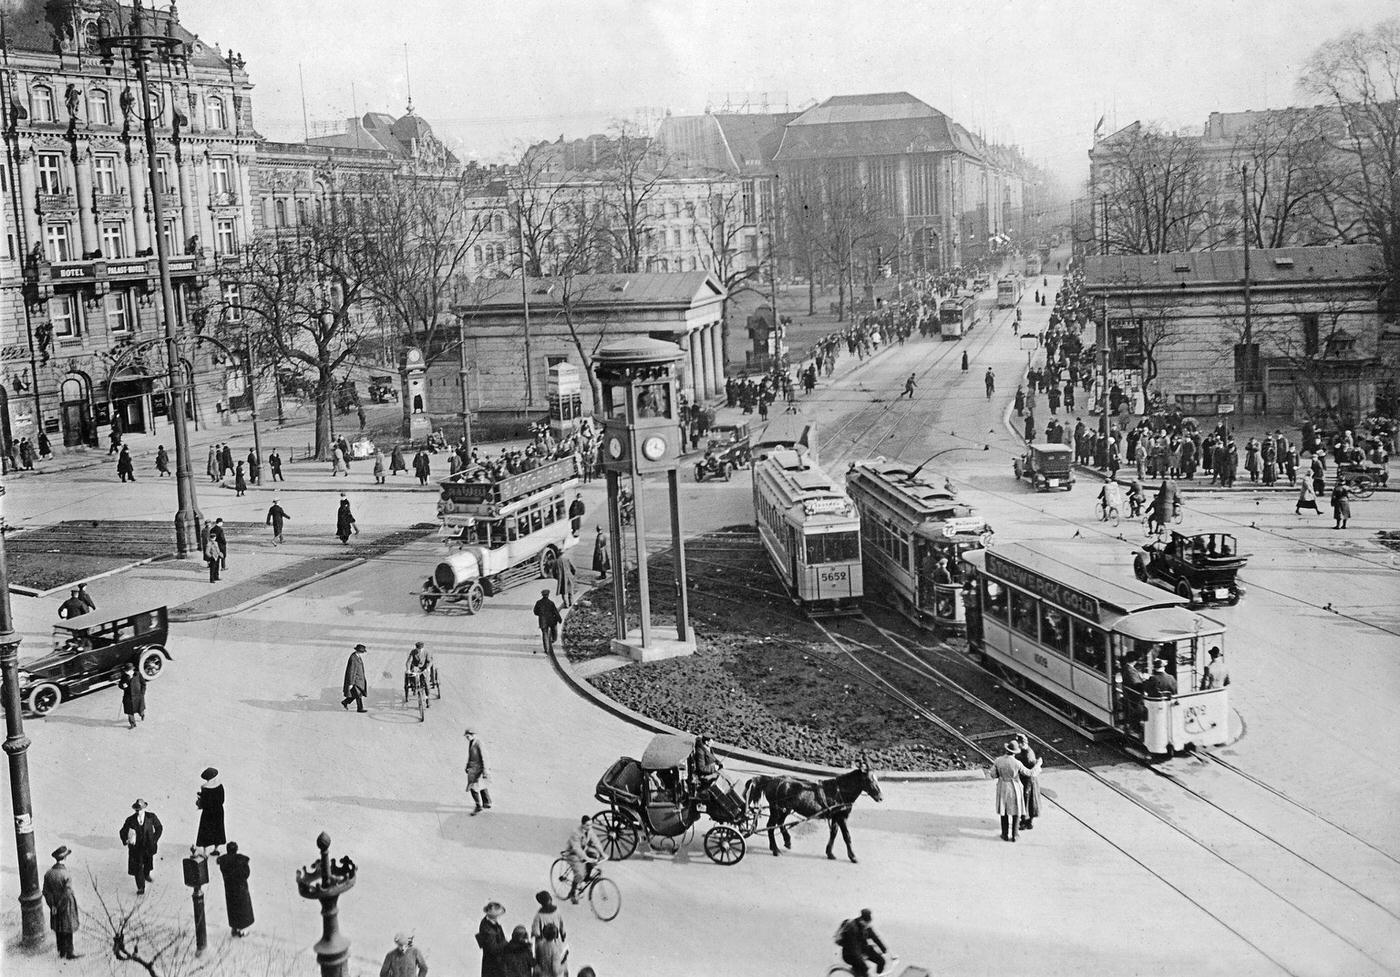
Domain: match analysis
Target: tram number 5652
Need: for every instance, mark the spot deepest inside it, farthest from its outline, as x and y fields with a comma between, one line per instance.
x=832, y=576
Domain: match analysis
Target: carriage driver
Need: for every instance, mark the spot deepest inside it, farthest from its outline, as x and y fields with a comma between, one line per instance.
x=702, y=767
x=415, y=670
x=583, y=853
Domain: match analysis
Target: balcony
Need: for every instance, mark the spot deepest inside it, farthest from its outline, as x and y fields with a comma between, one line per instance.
x=48, y=203
x=112, y=201
x=226, y=198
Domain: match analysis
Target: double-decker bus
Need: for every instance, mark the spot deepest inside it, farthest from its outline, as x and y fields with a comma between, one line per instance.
x=1078, y=645
x=909, y=521
x=809, y=530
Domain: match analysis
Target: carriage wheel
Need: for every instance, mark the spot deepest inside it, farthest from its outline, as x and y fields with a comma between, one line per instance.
x=548, y=558
x=474, y=598
x=561, y=878
x=428, y=602
x=724, y=845
x=1363, y=487
x=617, y=834
x=1140, y=569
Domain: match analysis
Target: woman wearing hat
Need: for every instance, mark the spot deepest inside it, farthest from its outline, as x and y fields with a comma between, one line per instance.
x=548, y=915
x=1007, y=771
x=210, y=802
x=491, y=937
x=235, y=869
x=518, y=957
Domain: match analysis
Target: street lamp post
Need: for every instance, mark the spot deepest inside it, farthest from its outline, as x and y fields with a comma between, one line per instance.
x=327, y=880
x=466, y=411
x=17, y=749
x=139, y=48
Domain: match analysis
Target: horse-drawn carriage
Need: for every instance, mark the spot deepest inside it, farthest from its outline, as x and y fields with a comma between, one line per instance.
x=653, y=798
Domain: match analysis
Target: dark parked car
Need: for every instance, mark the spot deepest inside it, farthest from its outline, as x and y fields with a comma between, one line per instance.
x=729, y=443
x=89, y=652
x=1046, y=466
x=1201, y=568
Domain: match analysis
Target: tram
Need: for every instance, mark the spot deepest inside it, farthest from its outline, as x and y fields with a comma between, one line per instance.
x=958, y=315
x=909, y=521
x=810, y=531
x=502, y=532
x=1034, y=263
x=1078, y=646
x=1009, y=291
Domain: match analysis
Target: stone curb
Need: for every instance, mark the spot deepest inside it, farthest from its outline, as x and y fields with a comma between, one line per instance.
x=585, y=689
x=30, y=592
x=186, y=618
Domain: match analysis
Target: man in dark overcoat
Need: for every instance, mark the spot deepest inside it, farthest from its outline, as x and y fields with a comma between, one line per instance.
x=548, y=616
x=140, y=834
x=216, y=533
x=576, y=511
x=133, y=686
x=566, y=575
x=62, y=903
x=235, y=869
x=355, y=687
x=225, y=460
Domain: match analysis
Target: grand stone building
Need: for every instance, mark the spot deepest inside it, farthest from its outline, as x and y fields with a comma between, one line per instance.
x=79, y=291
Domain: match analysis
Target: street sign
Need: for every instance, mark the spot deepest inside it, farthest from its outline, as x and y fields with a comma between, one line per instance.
x=1224, y=408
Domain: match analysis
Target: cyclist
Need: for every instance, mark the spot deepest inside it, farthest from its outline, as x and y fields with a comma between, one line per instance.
x=583, y=853
x=1111, y=497
x=855, y=937
x=1135, y=499
x=416, y=669
x=1164, y=506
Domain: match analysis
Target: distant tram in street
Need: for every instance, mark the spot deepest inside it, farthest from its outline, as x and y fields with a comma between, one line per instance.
x=910, y=520
x=809, y=530
x=1033, y=265
x=1009, y=289
x=1079, y=646
x=958, y=315
x=501, y=532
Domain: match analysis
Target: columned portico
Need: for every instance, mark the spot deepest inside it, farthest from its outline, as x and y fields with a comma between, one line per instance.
x=697, y=375
x=701, y=342
x=716, y=351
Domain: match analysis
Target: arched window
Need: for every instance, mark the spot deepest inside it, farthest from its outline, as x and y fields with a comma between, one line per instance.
x=279, y=207
x=41, y=103
x=156, y=107
x=476, y=253
x=214, y=113
x=99, y=107
x=90, y=37
x=497, y=224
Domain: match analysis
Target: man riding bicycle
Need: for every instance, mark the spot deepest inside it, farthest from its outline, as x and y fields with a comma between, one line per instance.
x=1164, y=507
x=416, y=670
x=855, y=938
x=583, y=853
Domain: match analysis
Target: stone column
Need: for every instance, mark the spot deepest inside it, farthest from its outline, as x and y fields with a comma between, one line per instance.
x=707, y=363
x=244, y=165
x=29, y=199
x=140, y=220
x=697, y=375
x=87, y=220
x=189, y=220
x=717, y=358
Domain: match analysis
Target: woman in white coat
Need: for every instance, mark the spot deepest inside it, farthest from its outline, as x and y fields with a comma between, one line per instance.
x=1007, y=771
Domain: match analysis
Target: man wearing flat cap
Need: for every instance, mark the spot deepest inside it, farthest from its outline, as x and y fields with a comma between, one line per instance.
x=405, y=959
x=141, y=834
x=62, y=903
x=548, y=616
x=356, y=688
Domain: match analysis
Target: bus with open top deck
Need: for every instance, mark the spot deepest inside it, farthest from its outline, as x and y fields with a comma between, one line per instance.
x=915, y=532
x=501, y=531
x=1109, y=656
x=810, y=531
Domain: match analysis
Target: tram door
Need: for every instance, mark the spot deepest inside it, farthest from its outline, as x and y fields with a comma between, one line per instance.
x=925, y=564
x=794, y=546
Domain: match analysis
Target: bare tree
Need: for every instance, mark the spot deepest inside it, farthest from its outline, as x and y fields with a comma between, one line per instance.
x=1156, y=192
x=800, y=202
x=1292, y=170
x=636, y=169
x=849, y=225
x=1360, y=72
x=723, y=223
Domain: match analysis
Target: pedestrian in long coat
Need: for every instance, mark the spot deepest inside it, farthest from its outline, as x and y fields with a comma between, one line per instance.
x=140, y=834
x=210, y=802
x=1030, y=783
x=216, y=533
x=422, y=467
x=126, y=471
x=1020, y=401
x=548, y=616
x=355, y=688
x=212, y=555
x=396, y=463
x=274, y=464
x=338, y=466
x=379, y=468
x=237, y=900
x=162, y=461
x=254, y=468
x=566, y=576
x=240, y=481
x=133, y=686
x=62, y=902
x=602, y=562
x=492, y=940
x=26, y=454
x=1007, y=771
x=212, y=467
x=276, y=516
x=1307, y=499
x=345, y=522
x=518, y=957
x=548, y=915
x=478, y=780
x=1341, y=505
x=225, y=459
x=576, y=513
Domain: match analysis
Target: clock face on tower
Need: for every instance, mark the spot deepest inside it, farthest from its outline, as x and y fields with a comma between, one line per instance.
x=653, y=448
x=615, y=447
x=414, y=356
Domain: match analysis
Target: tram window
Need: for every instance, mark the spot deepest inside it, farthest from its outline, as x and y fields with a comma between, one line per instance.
x=1054, y=629
x=1151, y=651
x=559, y=509
x=1090, y=645
x=547, y=511
x=536, y=520
x=994, y=599
x=513, y=530
x=1023, y=613
x=833, y=548
x=497, y=534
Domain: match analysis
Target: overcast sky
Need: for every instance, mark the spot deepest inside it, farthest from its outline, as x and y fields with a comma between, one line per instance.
x=491, y=76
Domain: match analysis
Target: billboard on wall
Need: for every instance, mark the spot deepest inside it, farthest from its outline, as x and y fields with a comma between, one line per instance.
x=1125, y=344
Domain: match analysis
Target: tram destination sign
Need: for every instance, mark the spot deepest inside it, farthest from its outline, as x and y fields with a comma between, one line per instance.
x=1052, y=590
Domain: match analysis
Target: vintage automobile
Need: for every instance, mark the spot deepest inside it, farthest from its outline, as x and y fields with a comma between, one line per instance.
x=729, y=443
x=89, y=652
x=712, y=466
x=1201, y=567
x=1046, y=466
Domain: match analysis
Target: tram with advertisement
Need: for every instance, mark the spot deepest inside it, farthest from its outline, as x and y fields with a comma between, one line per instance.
x=1082, y=648
x=959, y=315
x=501, y=532
x=809, y=530
x=1009, y=288
x=910, y=521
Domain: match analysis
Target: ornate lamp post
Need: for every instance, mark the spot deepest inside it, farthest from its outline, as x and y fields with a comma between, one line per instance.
x=197, y=877
x=17, y=748
x=139, y=48
x=326, y=880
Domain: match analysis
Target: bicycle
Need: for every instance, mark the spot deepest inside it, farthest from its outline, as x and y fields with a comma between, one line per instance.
x=421, y=684
x=1106, y=508
x=843, y=969
x=604, y=897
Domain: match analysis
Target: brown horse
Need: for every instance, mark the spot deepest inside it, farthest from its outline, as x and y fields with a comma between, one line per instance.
x=831, y=800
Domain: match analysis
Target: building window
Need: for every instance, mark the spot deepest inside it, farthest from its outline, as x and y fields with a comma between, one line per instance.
x=104, y=174
x=172, y=238
x=113, y=240
x=225, y=238
x=220, y=174
x=279, y=208
x=476, y=253
x=303, y=215
x=215, y=113
x=747, y=198
x=233, y=303
x=50, y=172
x=56, y=242
x=498, y=224
x=1310, y=333
x=99, y=107
x=156, y=106
x=163, y=181
x=63, y=313
x=41, y=103
x=119, y=317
